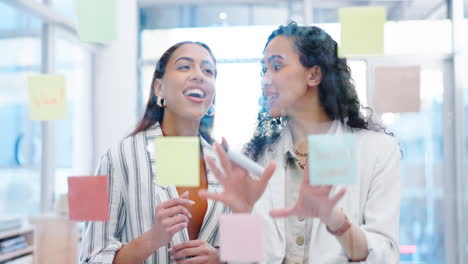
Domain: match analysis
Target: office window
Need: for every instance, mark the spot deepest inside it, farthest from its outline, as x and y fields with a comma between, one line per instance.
x=73, y=139
x=421, y=141
x=66, y=8
x=464, y=66
x=20, y=138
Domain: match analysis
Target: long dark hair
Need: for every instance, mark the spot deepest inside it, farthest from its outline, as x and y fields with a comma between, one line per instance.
x=337, y=94
x=155, y=113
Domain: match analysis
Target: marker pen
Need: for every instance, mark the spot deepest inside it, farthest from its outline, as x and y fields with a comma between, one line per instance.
x=243, y=161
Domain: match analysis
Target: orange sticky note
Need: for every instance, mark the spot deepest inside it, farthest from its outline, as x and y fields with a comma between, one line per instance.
x=88, y=198
x=397, y=89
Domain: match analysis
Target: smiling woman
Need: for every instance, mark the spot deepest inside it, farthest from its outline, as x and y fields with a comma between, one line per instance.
x=150, y=223
x=156, y=109
x=194, y=96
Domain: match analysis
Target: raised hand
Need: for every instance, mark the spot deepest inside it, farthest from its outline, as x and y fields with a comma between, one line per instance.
x=241, y=191
x=171, y=217
x=313, y=201
x=195, y=252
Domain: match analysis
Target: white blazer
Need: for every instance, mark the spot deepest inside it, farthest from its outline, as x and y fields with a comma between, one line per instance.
x=373, y=203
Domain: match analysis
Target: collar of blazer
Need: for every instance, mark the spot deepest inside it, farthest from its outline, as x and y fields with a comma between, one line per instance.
x=208, y=231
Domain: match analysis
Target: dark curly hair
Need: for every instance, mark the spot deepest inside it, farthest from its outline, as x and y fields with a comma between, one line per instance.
x=337, y=94
x=155, y=113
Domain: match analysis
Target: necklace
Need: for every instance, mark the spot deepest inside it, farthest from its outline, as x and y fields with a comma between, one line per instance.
x=303, y=155
x=300, y=153
x=302, y=165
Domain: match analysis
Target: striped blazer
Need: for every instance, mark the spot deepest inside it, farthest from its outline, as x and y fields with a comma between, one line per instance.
x=133, y=198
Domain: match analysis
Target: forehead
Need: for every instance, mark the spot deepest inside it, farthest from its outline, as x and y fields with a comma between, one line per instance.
x=280, y=45
x=193, y=51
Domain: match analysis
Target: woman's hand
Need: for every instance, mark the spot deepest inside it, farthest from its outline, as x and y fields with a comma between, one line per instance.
x=241, y=191
x=314, y=201
x=195, y=252
x=171, y=217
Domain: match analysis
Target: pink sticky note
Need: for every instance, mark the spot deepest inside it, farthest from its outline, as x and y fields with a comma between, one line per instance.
x=241, y=238
x=409, y=249
x=88, y=198
x=397, y=89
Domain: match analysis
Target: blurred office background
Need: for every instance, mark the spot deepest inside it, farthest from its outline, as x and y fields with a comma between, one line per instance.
x=108, y=85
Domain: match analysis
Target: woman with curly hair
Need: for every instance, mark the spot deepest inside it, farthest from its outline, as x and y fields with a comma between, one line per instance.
x=307, y=90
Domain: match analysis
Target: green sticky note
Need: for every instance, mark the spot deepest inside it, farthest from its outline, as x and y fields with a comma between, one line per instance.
x=362, y=31
x=178, y=161
x=96, y=20
x=47, y=97
x=332, y=159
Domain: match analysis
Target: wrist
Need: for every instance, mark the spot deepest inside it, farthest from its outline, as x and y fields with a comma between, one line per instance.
x=338, y=229
x=336, y=220
x=150, y=241
x=242, y=209
x=247, y=210
x=218, y=255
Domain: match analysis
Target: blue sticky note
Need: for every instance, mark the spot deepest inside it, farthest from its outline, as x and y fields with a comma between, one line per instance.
x=332, y=159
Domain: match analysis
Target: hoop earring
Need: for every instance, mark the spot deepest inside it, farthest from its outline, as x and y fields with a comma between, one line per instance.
x=161, y=102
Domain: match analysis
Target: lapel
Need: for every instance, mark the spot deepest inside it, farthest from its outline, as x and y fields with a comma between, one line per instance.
x=278, y=181
x=167, y=192
x=151, y=135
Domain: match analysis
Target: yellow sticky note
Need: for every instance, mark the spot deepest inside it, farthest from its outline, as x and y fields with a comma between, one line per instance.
x=47, y=97
x=362, y=31
x=96, y=20
x=178, y=161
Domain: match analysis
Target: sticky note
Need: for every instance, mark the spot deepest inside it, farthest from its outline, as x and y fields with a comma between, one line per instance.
x=241, y=238
x=332, y=159
x=409, y=249
x=362, y=30
x=88, y=198
x=177, y=161
x=397, y=89
x=47, y=97
x=96, y=20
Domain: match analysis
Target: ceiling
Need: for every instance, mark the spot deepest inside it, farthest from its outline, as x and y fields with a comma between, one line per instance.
x=191, y=13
